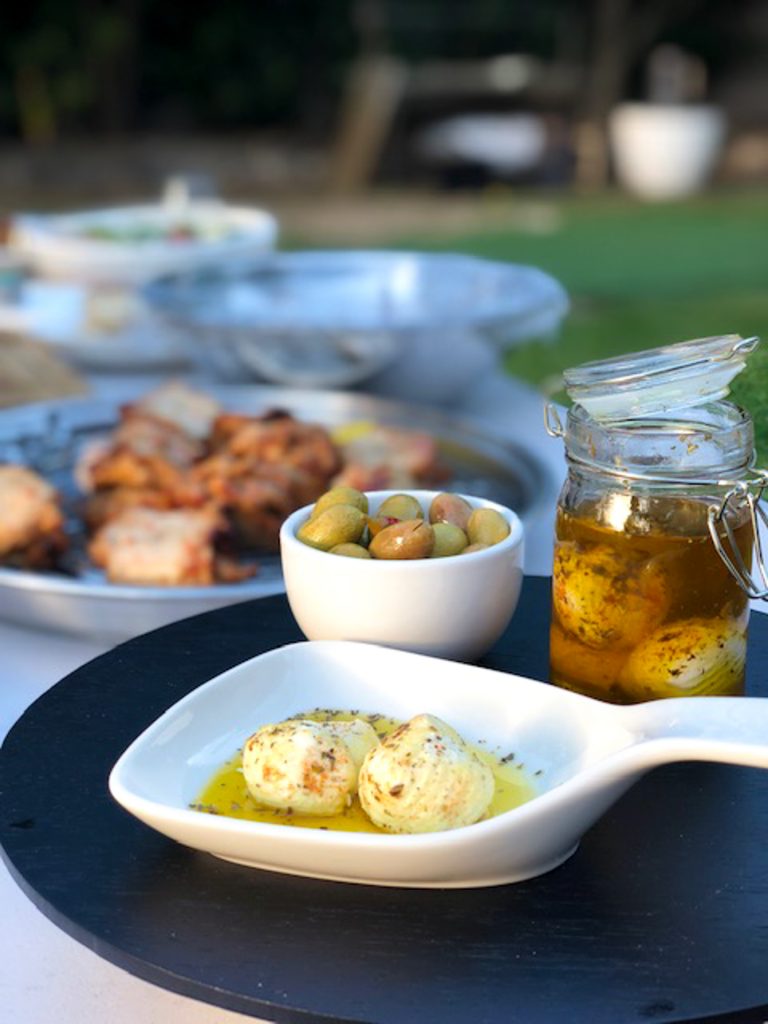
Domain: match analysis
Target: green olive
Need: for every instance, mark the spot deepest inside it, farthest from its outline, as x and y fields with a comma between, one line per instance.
x=338, y=524
x=376, y=524
x=471, y=548
x=341, y=496
x=450, y=508
x=401, y=506
x=487, y=526
x=411, y=539
x=350, y=551
x=449, y=540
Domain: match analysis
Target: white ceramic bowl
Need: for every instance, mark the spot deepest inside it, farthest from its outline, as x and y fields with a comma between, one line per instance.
x=455, y=607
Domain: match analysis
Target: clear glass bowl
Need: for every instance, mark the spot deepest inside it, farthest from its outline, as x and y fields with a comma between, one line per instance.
x=421, y=325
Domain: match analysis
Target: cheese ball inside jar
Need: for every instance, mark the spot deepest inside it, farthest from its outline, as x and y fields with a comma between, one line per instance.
x=605, y=598
x=653, y=547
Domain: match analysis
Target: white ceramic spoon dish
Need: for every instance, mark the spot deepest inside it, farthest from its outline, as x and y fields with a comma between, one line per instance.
x=581, y=755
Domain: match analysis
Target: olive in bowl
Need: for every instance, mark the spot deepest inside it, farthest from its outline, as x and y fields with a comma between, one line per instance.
x=427, y=601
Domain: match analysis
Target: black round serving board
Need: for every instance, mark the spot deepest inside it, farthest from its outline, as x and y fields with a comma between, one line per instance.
x=661, y=915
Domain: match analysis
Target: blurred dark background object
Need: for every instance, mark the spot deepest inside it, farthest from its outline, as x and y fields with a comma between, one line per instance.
x=105, y=98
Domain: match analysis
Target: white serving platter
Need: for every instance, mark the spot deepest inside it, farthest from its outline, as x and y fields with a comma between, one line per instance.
x=580, y=754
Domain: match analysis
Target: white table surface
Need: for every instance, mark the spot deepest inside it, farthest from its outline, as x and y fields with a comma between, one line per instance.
x=46, y=976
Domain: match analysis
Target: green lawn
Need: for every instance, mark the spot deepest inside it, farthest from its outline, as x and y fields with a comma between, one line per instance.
x=639, y=276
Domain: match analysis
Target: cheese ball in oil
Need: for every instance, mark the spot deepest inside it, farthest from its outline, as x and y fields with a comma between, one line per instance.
x=586, y=669
x=305, y=766
x=424, y=778
x=694, y=657
x=604, y=599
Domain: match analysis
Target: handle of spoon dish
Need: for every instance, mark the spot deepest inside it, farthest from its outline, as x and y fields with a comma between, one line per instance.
x=733, y=730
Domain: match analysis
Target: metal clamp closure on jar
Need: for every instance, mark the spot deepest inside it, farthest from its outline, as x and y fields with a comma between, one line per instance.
x=749, y=493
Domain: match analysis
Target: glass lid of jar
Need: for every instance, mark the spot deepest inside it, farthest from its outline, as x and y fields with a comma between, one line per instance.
x=659, y=380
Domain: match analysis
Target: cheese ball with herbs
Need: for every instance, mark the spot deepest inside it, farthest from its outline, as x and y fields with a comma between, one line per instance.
x=306, y=766
x=692, y=657
x=423, y=777
x=603, y=599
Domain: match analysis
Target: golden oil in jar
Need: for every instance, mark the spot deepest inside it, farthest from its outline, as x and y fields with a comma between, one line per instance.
x=656, y=613
x=655, y=526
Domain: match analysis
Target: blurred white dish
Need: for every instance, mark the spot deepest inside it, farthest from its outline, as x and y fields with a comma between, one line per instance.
x=454, y=607
x=133, y=244
x=580, y=753
x=505, y=143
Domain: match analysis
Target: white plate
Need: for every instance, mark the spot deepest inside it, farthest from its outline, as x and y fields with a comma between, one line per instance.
x=580, y=754
x=169, y=764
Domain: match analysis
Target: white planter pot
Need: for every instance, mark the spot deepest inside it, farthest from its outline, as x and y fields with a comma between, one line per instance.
x=665, y=151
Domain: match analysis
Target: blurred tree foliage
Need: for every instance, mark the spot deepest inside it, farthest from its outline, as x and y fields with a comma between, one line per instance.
x=73, y=66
